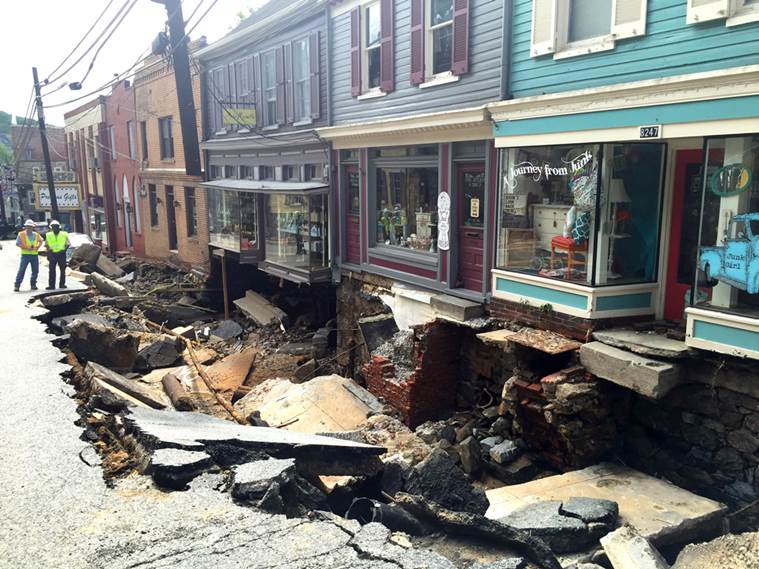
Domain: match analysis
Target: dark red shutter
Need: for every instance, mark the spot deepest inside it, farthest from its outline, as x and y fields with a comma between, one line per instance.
x=356, y=52
x=417, y=42
x=387, y=55
x=460, y=58
x=280, y=76
x=289, y=91
x=314, y=53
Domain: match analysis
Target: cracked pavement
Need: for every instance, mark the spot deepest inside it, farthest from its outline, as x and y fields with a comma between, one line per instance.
x=57, y=511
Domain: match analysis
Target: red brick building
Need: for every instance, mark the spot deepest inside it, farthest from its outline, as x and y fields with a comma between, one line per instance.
x=122, y=142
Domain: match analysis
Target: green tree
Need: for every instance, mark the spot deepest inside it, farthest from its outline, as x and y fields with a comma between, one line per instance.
x=6, y=155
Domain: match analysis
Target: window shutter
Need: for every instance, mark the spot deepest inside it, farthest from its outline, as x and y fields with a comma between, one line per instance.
x=543, y=27
x=417, y=42
x=629, y=18
x=387, y=52
x=289, y=91
x=280, y=77
x=257, y=85
x=705, y=10
x=356, y=52
x=314, y=55
x=460, y=60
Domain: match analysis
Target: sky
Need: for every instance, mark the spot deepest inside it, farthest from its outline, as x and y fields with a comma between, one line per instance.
x=42, y=32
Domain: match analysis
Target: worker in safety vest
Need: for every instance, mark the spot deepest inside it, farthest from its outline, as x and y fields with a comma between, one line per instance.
x=29, y=241
x=56, y=241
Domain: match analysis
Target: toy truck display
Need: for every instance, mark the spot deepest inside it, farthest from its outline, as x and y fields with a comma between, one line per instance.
x=736, y=262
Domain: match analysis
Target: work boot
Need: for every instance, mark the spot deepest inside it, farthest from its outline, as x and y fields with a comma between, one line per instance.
x=63, y=286
x=34, y=287
x=15, y=289
x=49, y=288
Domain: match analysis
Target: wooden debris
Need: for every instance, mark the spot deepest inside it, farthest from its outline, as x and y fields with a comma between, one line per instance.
x=101, y=374
x=176, y=392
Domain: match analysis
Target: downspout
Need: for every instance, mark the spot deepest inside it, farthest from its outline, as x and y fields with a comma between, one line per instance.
x=506, y=51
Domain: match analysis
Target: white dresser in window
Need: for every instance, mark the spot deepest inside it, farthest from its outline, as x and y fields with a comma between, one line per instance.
x=548, y=222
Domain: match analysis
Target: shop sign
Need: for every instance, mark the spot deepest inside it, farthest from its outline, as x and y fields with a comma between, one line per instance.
x=544, y=171
x=474, y=208
x=736, y=262
x=240, y=117
x=67, y=196
x=443, y=221
x=651, y=131
x=730, y=180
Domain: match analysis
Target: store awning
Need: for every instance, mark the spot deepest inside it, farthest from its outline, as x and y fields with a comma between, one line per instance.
x=268, y=186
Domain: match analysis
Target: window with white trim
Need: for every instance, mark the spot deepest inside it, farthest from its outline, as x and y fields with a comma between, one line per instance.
x=269, y=73
x=439, y=37
x=302, y=78
x=734, y=12
x=567, y=28
x=371, y=34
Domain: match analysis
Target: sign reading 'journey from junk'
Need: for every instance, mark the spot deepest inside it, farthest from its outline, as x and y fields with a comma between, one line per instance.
x=545, y=171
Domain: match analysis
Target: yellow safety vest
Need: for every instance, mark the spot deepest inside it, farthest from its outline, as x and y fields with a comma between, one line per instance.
x=56, y=243
x=30, y=246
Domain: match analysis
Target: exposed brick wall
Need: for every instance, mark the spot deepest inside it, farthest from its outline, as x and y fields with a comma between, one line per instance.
x=570, y=326
x=430, y=389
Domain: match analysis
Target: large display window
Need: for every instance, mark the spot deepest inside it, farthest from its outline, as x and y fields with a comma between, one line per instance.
x=727, y=278
x=587, y=214
x=406, y=205
x=297, y=230
x=224, y=218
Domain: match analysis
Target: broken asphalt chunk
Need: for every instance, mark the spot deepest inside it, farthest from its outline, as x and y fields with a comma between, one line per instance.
x=260, y=310
x=511, y=563
x=94, y=342
x=107, y=286
x=157, y=352
x=626, y=549
x=175, y=468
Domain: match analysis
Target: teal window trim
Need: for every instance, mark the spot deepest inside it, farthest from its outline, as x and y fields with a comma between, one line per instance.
x=696, y=111
x=726, y=335
x=542, y=293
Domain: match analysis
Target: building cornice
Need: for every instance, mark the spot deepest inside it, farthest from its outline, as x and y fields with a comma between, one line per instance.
x=460, y=124
x=721, y=84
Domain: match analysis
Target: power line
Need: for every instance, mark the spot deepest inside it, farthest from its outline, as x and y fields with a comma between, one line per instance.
x=81, y=41
x=105, y=30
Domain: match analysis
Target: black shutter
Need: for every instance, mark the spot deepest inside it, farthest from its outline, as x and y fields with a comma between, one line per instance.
x=289, y=91
x=315, y=57
x=280, y=75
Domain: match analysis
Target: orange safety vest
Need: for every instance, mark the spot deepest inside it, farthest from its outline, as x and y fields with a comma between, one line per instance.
x=31, y=247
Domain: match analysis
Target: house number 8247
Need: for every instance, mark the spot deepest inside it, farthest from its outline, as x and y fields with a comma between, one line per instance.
x=650, y=131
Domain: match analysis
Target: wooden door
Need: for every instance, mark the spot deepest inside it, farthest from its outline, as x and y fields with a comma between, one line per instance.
x=352, y=215
x=470, y=188
x=171, y=218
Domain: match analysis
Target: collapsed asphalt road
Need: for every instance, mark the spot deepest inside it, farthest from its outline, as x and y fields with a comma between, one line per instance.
x=57, y=512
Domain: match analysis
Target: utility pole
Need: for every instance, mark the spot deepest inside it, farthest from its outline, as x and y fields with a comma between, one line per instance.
x=183, y=79
x=45, y=149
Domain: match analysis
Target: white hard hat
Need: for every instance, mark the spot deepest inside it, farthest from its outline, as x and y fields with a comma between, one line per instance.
x=29, y=223
x=54, y=222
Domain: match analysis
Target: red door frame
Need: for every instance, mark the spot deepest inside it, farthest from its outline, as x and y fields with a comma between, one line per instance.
x=463, y=230
x=352, y=220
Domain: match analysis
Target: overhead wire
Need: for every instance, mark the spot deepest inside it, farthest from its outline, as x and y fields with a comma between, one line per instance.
x=80, y=42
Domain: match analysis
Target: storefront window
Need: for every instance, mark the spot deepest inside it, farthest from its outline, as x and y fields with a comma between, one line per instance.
x=224, y=218
x=551, y=201
x=352, y=190
x=406, y=206
x=728, y=258
x=297, y=230
x=248, y=221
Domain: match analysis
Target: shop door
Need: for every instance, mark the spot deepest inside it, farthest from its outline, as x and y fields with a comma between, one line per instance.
x=171, y=218
x=470, y=188
x=352, y=216
x=127, y=218
x=685, y=222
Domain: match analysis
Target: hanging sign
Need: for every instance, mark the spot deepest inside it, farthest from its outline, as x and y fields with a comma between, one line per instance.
x=443, y=221
x=730, y=180
x=67, y=196
x=240, y=117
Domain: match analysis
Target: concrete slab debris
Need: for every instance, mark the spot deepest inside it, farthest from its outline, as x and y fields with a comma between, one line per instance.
x=644, y=343
x=157, y=351
x=107, y=286
x=511, y=563
x=108, y=268
x=231, y=443
x=325, y=404
x=61, y=323
x=174, y=468
x=626, y=549
x=455, y=308
x=657, y=509
x=544, y=340
x=226, y=330
x=497, y=337
x=376, y=330
x=100, y=343
x=61, y=304
x=504, y=452
x=94, y=372
x=649, y=377
x=260, y=310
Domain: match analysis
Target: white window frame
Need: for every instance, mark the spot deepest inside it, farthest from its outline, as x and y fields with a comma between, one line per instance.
x=429, y=30
x=366, y=91
x=565, y=48
x=266, y=88
x=130, y=140
x=112, y=140
x=742, y=13
x=305, y=80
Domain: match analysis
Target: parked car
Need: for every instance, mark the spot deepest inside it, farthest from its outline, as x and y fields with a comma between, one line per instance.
x=737, y=261
x=76, y=239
